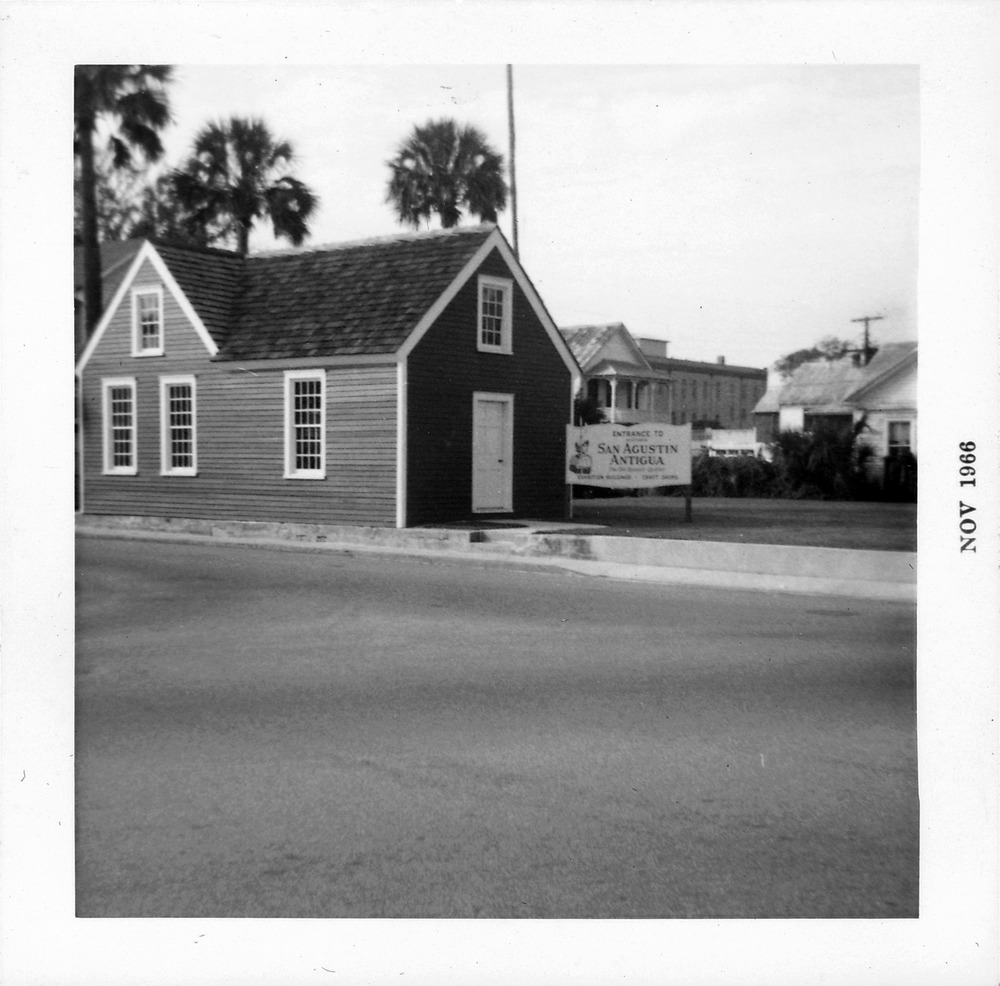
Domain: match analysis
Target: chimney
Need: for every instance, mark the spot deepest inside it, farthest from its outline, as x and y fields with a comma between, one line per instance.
x=721, y=360
x=653, y=347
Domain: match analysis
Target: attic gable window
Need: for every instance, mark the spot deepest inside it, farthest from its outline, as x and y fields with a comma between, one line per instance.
x=147, y=321
x=495, y=299
x=305, y=424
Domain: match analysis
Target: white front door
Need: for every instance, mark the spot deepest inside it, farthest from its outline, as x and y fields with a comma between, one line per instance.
x=492, y=448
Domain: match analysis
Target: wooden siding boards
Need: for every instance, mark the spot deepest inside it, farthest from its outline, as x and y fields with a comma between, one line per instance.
x=240, y=435
x=443, y=372
x=240, y=399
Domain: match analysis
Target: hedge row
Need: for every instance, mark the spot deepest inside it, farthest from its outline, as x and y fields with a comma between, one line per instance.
x=823, y=465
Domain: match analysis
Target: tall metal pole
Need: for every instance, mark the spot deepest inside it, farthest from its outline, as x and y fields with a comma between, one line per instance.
x=513, y=179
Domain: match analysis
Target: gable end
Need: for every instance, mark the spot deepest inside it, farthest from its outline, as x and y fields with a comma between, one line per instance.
x=497, y=242
x=146, y=253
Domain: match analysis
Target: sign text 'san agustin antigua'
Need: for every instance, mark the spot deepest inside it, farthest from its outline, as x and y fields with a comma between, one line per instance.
x=628, y=457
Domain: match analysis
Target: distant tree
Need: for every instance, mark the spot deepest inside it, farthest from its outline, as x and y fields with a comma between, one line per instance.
x=237, y=174
x=129, y=205
x=159, y=215
x=131, y=102
x=829, y=347
x=119, y=193
x=444, y=168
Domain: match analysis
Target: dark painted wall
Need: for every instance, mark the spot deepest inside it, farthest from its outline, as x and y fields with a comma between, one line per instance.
x=443, y=372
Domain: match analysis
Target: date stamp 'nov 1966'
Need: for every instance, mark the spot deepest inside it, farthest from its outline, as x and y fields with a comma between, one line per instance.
x=967, y=477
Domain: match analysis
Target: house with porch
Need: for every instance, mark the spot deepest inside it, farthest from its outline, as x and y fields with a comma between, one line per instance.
x=392, y=382
x=634, y=381
x=617, y=376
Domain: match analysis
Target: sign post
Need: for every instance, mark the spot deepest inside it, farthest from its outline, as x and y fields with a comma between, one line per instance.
x=626, y=457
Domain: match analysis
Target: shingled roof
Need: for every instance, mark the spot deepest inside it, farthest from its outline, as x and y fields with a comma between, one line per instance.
x=889, y=358
x=116, y=257
x=832, y=385
x=210, y=279
x=821, y=384
x=359, y=298
x=586, y=341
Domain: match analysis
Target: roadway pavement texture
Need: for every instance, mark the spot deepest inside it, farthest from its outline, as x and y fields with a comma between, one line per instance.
x=333, y=734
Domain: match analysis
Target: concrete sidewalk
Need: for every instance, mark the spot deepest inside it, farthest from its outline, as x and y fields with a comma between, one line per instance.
x=582, y=549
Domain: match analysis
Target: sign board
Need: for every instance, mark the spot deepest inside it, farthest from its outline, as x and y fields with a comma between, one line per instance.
x=628, y=456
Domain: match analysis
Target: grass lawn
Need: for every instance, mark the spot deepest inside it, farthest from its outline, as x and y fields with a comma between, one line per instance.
x=812, y=523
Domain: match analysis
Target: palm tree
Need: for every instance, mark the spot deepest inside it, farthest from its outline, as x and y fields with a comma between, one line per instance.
x=441, y=168
x=237, y=174
x=131, y=101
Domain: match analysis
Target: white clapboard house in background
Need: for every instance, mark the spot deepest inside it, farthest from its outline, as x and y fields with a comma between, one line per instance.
x=881, y=395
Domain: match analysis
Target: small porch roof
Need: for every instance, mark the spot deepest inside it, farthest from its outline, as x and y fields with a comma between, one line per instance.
x=623, y=370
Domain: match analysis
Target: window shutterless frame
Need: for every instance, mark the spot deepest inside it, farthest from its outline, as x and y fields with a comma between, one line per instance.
x=493, y=325
x=899, y=436
x=147, y=320
x=118, y=427
x=305, y=424
x=178, y=426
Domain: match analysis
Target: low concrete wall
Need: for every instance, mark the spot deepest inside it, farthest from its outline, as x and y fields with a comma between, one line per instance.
x=766, y=559
x=829, y=564
x=437, y=538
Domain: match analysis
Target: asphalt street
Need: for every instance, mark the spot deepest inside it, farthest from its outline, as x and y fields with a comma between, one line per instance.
x=293, y=734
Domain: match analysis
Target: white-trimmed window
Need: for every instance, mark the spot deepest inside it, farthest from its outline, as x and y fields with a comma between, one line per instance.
x=118, y=412
x=178, y=427
x=305, y=424
x=495, y=301
x=147, y=321
x=900, y=438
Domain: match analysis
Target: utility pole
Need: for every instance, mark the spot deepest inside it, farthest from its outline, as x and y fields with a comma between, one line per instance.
x=513, y=179
x=866, y=351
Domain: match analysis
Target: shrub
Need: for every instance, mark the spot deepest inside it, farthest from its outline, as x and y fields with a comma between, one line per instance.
x=826, y=463
x=752, y=476
x=741, y=475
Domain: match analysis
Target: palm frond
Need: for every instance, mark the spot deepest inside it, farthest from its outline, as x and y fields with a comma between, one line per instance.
x=290, y=204
x=237, y=175
x=448, y=170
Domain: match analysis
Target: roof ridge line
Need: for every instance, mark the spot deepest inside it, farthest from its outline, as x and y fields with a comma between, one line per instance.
x=480, y=228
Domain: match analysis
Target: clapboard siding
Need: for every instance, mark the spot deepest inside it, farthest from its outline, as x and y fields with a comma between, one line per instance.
x=240, y=436
x=443, y=372
x=240, y=401
x=241, y=450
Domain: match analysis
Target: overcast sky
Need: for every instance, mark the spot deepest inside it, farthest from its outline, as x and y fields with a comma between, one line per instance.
x=740, y=211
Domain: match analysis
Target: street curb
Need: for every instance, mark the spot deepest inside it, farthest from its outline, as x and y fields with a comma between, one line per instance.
x=752, y=567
